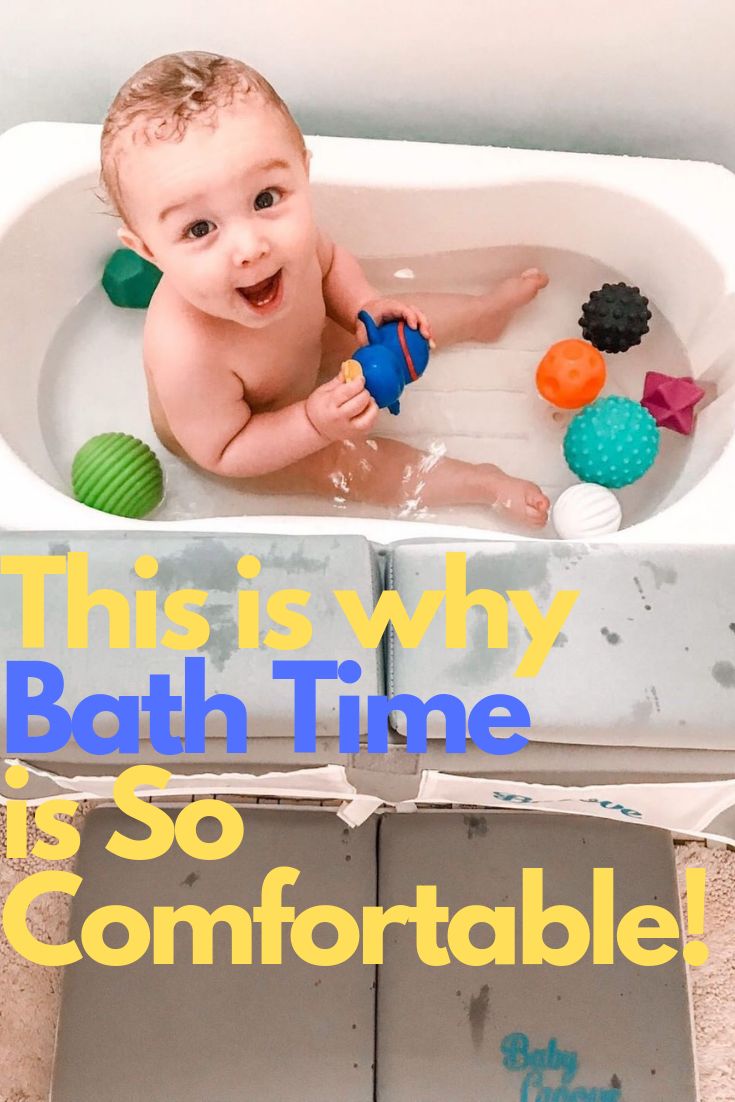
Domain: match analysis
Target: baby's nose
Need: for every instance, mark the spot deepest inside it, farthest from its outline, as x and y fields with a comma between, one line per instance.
x=249, y=245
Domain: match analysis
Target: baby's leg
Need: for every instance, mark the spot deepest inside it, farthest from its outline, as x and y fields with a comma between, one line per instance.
x=389, y=473
x=456, y=318
x=453, y=318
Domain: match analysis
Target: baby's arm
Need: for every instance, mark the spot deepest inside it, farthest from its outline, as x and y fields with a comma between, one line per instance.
x=207, y=412
x=347, y=291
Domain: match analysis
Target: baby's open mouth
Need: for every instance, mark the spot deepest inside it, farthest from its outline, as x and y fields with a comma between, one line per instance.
x=264, y=293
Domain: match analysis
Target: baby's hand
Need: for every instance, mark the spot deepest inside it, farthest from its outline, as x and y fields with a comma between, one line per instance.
x=390, y=309
x=342, y=411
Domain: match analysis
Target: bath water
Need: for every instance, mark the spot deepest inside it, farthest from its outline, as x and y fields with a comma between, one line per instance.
x=475, y=402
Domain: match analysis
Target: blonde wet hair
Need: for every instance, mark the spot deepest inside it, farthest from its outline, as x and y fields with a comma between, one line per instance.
x=162, y=98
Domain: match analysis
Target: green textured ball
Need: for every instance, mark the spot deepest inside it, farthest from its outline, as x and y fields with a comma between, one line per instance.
x=130, y=280
x=613, y=442
x=117, y=473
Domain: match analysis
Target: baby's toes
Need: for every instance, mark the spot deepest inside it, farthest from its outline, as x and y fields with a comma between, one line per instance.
x=539, y=278
x=537, y=504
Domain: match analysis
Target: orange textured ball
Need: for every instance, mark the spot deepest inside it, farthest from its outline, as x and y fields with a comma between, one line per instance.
x=571, y=374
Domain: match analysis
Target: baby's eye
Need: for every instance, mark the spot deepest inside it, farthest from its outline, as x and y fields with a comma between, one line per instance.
x=267, y=198
x=200, y=229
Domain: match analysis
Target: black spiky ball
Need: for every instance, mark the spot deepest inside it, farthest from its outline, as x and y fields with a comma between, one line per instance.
x=615, y=317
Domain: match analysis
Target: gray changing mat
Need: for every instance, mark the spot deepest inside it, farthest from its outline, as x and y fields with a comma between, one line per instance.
x=297, y=1033
x=446, y=1033
x=221, y=1032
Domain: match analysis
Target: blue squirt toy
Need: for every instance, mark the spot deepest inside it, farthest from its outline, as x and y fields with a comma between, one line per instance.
x=396, y=356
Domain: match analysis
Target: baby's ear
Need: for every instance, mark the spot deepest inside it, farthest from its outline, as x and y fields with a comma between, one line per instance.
x=130, y=240
x=307, y=161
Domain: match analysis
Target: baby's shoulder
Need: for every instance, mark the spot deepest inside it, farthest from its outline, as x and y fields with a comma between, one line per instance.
x=324, y=252
x=175, y=339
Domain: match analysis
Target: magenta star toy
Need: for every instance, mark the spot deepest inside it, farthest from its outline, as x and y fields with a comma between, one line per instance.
x=671, y=400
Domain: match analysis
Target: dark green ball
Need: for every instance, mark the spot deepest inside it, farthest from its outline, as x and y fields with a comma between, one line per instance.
x=130, y=280
x=117, y=473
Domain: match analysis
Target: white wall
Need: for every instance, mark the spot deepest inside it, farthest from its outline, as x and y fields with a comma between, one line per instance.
x=655, y=77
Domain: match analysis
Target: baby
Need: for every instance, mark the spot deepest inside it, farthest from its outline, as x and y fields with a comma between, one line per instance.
x=257, y=307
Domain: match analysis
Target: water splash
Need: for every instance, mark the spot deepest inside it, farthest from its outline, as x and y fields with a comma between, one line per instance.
x=414, y=479
x=340, y=481
x=437, y=450
x=413, y=507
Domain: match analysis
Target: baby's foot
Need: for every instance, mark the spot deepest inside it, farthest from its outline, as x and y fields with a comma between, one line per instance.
x=498, y=306
x=520, y=500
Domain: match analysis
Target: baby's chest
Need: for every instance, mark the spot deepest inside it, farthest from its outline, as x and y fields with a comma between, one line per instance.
x=271, y=382
x=280, y=363
x=284, y=368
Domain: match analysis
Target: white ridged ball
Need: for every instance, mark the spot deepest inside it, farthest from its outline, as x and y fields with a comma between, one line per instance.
x=586, y=511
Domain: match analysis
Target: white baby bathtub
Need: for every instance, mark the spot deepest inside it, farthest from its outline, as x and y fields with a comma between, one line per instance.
x=419, y=215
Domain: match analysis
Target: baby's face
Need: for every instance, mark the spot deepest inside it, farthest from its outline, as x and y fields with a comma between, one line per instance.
x=225, y=213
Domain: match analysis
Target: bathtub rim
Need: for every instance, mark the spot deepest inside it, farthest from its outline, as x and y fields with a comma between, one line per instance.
x=48, y=155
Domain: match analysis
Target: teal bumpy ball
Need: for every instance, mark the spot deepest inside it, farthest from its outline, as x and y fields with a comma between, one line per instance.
x=612, y=442
x=117, y=473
